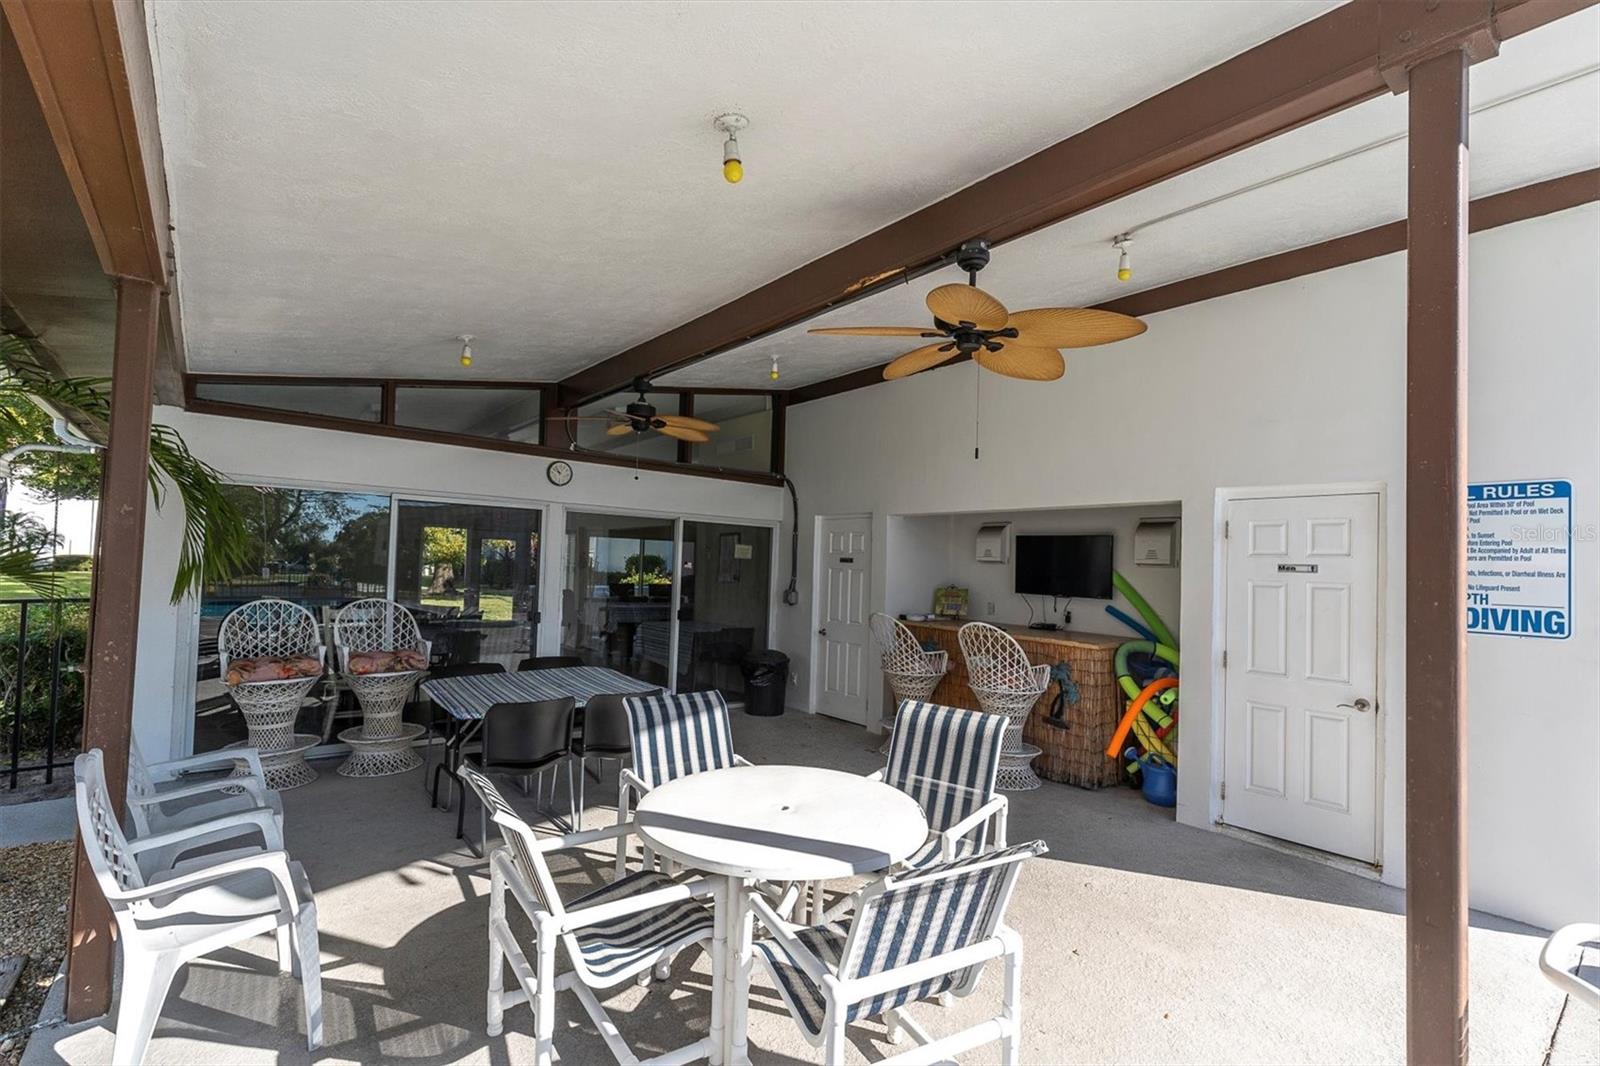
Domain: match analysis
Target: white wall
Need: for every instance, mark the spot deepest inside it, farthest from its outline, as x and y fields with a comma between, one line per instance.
x=1296, y=384
x=932, y=550
x=256, y=452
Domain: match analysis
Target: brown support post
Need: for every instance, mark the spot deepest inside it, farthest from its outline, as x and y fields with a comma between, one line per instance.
x=1436, y=545
x=114, y=621
x=554, y=433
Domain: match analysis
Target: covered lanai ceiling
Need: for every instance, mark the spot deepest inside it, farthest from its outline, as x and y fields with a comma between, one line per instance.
x=1536, y=115
x=354, y=184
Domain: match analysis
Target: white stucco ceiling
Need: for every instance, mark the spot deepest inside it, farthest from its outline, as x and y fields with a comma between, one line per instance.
x=1522, y=139
x=353, y=184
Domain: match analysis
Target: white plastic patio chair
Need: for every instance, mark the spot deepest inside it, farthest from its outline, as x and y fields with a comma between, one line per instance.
x=674, y=735
x=193, y=909
x=163, y=798
x=612, y=933
x=916, y=936
x=912, y=673
x=1005, y=683
x=1561, y=959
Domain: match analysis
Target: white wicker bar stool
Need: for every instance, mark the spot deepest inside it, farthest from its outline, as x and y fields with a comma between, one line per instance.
x=273, y=629
x=1005, y=683
x=911, y=672
x=381, y=744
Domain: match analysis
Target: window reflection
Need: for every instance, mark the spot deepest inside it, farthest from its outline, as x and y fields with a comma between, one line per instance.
x=315, y=548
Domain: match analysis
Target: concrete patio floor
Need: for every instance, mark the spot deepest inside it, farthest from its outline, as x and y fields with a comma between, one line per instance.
x=1146, y=941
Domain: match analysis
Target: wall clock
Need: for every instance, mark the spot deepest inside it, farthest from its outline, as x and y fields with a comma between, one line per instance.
x=559, y=472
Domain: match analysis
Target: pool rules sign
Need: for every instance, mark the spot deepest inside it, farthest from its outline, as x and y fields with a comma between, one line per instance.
x=1519, y=559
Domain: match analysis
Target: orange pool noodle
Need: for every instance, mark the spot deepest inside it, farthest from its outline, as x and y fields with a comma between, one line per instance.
x=1160, y=684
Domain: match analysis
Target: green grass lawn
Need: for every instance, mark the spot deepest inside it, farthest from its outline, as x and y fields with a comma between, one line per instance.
x=71, y=585
x=496, y=607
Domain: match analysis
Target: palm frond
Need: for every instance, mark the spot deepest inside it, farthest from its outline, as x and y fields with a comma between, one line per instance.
x=23, y=543
x=215, y=538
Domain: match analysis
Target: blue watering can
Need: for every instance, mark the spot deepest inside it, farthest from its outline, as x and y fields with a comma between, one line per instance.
x=1160, y=781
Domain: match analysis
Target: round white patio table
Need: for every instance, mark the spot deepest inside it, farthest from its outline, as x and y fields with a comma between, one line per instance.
x=773, y=823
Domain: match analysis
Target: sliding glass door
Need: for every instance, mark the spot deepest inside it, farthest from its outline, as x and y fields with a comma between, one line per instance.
x=315, y=548
x=723, y=588
x=470, y=574
x=675, y=602
x=616, y=603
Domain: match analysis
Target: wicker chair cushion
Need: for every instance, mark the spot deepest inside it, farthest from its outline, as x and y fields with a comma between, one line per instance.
x=272, y=668
x=387, y=662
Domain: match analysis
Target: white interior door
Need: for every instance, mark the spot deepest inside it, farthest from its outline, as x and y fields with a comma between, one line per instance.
x=842, y=634
x=1301, y=728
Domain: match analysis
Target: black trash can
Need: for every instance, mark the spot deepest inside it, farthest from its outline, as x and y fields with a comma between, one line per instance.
x=766, y=675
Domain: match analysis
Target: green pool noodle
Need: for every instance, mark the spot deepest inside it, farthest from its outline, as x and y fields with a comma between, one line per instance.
x=1131, y=688
x=1151, y=619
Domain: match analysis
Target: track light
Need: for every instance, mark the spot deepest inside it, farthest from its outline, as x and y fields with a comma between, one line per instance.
x=732, y=161
x=1120, y=242
x=466, y=348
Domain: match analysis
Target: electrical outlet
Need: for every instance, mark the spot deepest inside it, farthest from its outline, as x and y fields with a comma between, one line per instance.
x=989, y=608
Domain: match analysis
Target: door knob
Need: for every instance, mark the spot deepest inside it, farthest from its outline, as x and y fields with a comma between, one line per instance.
x=1360, y=705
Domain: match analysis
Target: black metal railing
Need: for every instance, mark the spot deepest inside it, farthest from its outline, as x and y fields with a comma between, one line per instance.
x=42, y=649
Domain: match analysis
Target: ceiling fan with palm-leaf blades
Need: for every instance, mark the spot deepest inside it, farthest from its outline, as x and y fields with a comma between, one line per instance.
x=968, y=321
x=640, y=417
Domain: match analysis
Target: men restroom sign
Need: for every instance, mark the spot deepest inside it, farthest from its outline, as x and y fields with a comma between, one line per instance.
x=1519, y=559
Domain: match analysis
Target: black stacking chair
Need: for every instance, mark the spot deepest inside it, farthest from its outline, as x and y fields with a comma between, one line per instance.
x=520, y=739
x=548, y=662
x=439, y=723
x=602, y=732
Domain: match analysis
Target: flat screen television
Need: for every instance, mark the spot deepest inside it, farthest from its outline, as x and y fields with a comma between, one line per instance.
x=1064, y=565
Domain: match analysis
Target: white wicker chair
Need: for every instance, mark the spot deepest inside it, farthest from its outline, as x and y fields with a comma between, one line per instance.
x=166, y=918
x=273, y=628
x=381, y=744
x=911, y=672
x=1005, y=683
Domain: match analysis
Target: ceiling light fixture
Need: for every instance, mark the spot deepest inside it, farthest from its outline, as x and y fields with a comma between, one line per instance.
x=731, y=124
x=466, y=348
x=1120, y=242
x=774, y=374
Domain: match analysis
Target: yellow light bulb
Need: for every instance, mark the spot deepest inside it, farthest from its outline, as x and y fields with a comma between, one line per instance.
x=466, y=358
x=733, y=170
x=774, y=374
x=1123, y=274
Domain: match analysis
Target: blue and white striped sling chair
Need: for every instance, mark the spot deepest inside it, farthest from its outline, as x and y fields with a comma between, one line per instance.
x=612, y=933
x=915, y=935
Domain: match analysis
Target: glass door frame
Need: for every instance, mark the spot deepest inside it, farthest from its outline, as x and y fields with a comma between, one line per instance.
x=678, y=519
x=541, y=508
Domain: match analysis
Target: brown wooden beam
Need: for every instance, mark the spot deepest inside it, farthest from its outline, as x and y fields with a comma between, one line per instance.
x=114, y=622
x=1436, y=552
x=1487, y=212
x=74, y=55
x=1311, y=71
